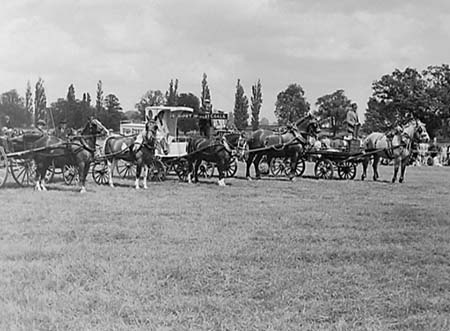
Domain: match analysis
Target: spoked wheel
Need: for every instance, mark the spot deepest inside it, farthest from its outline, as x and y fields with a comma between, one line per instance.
x=323, y=169
x=23, y=171
x=277, y=166
x=263, y=166
x=182, y=169
x=71, y=174
x=100, y=173
x=126, y=169
x=206, y=169
x=347, y=170
x=231, y=168
x=3, y=166
x=157, y=171
x=299, y=169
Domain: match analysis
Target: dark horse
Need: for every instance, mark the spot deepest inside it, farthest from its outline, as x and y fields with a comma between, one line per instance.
x=397, y=148
x=217, y=150
x=290, y=144
x=139, y=150
x=79, y=150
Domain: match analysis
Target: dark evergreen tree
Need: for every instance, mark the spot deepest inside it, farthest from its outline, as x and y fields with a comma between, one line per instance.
x=240, y=107
x=256, y=103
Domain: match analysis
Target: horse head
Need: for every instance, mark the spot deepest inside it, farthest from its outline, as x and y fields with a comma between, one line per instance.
x=162, y=146
x=308, y=125
x=416, y=131
x=238, y=142
x=149, y=134
x=94, y=128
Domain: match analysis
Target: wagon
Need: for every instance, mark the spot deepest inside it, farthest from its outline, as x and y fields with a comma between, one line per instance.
x=16, y=158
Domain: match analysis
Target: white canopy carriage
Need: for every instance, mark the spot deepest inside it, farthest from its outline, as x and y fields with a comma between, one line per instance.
x=167, y=120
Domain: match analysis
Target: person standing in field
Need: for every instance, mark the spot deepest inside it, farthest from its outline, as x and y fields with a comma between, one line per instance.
x=352, y=122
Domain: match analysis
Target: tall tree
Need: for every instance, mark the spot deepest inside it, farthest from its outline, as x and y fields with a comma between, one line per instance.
x=172, y=93
x=240, y=107
x=150, y=98
x=334, y=105
x=291, y=104
x=29, y=98
x=113, y=112
x=438, y=90
x=205, y=100
x=99, y=99
x=256, y=102
x=192, y=101
x=40, y=101
x=12, y=105
x=396, y=98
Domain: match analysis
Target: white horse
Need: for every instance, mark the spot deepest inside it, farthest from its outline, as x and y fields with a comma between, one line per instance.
x=398, y=148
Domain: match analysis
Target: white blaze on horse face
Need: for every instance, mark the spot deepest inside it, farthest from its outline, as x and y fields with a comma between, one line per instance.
x=124, y=146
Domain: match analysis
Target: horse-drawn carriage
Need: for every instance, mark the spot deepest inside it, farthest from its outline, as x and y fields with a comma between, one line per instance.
x=344, y=158
x=16, y=158
x=38, y=155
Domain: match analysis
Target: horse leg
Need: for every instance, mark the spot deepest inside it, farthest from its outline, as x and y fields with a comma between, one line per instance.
x=221, y=169
x=196, y=166
x=144, y=180
x=365, y=163
x=83, y=169
x=248, y=164
x=402, y=171
x=190, y=170
x=256, y=161
x=138, y=175
x=294, y=160
x=397, y=163
x=111, y=165
x=376, y=160
x=37, y=177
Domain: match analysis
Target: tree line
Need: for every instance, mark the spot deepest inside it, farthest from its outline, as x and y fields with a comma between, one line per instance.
x=396, y=98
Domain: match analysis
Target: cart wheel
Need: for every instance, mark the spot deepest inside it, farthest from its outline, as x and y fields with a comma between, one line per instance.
x=71, y=174
x=157, y=171
x=126, y=169
x=299, y=169
x=206, y=169
x=23, y=171
x=100, y=173
x=277, y=166
x=347, y=170
x=182, y=169
x=323, y=169
x=231, y=168
x=3, y=167
x=263, y=166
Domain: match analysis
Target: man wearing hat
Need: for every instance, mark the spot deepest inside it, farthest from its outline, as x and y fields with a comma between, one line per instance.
x=62, y=131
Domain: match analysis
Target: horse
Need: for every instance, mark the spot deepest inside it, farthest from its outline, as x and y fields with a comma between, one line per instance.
x=79, y=150
x=217, y=150
x=290, y=144
x=139, y=150
x=397, y=148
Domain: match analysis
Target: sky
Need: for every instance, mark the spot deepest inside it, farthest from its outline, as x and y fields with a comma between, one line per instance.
x=138, y=45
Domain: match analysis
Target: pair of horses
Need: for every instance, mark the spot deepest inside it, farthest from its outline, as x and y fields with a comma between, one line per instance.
x=290, y=143
x=79, y=150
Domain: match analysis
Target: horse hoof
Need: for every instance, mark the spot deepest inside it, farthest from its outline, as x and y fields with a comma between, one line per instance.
x=222, y=182
x=292, y=179
x=249, y=178
x=83, y=190
x=362, y=177
x=400, y=180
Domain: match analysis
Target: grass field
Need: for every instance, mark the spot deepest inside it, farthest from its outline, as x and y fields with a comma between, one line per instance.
x=260, y=255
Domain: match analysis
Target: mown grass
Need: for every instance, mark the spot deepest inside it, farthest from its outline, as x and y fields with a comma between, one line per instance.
x=261, y=255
